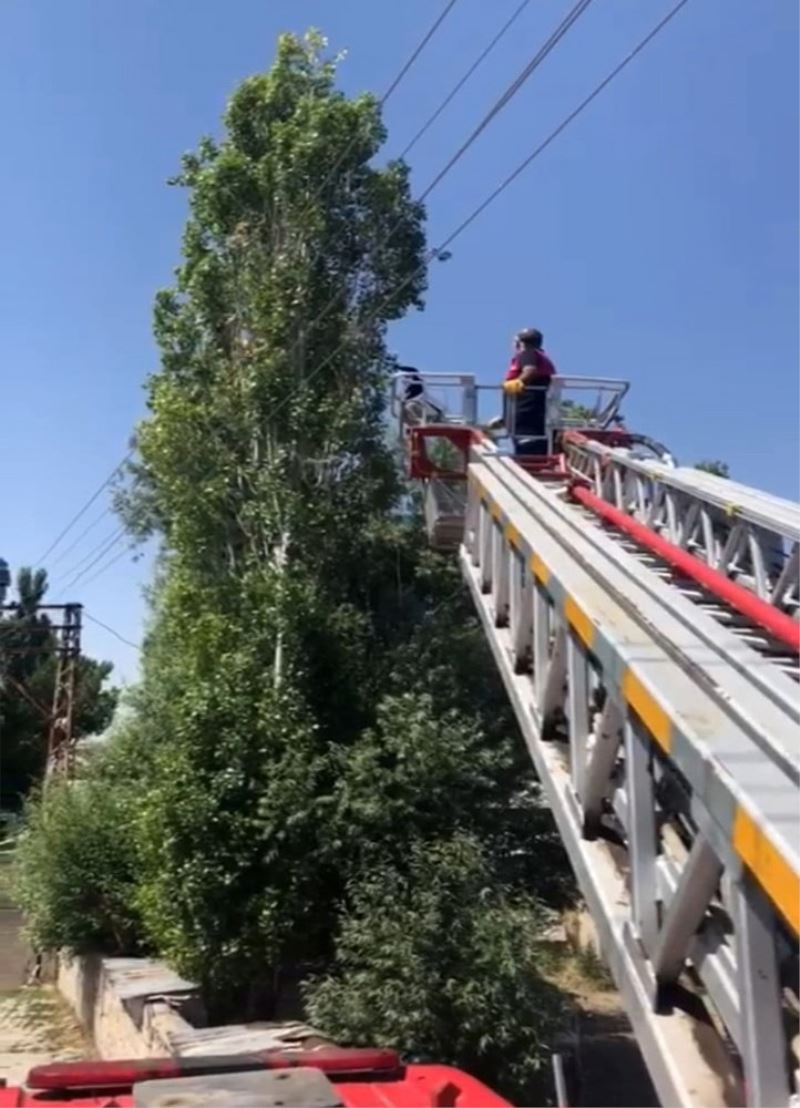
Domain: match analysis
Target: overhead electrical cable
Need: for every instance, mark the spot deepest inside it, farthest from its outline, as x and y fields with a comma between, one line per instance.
x=82, y=511
x=523, y=165
x=392, y=88
x=89, y=527
x=101, y=545
x=112, y=542
x=460, y=84
x=107, y=566
x=110, y=630
x=569, y=20
x=478, y=211
x=505, y=98
x=418, y=50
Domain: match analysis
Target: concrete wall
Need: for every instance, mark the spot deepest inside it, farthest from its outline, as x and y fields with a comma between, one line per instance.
x=138, y=1008
x=131, y=1007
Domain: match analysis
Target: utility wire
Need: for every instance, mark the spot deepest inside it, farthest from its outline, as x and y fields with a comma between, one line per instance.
x=387, y=94
x=416, y=53
x=523, y=165
x=82, y=511
x=470, y=219
x=107, y=566
x=319, y=192
x=110, y=630
x=89, y=527
x=112, y=542
x=101, y=546
x=506, y=97
x=460, y=84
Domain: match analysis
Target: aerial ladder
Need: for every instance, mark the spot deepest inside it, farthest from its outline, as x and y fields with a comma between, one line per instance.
x=644, y=619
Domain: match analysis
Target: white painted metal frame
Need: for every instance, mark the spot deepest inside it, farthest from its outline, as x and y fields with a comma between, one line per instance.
x=752, y=537
x=675, y=906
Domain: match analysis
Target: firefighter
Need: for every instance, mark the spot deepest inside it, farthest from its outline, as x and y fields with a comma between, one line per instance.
x=527, y=381
x=414, y=385
x=417, y=405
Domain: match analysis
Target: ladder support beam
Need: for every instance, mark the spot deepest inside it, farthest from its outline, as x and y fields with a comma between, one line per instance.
x=700, y=877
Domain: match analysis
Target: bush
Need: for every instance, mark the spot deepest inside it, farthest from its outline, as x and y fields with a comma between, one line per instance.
x=75, y=869
x=441, y=964
x=418, y=774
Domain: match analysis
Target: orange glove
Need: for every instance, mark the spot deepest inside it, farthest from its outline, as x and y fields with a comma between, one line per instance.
x=513, y=387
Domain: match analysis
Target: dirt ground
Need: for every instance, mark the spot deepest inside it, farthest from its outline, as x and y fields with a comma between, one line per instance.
x=610, y=1069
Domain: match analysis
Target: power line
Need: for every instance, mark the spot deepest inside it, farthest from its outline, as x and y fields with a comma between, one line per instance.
x=460, y=84
x=459, y=230
x=416, y=53
x=117, y=537
x=107, y=566
x=101, y=546
x=110, y=630
x=319, y=192
x=477, y=212
x=506, y=97
x=89, y=527
x=387, y=94
x=549, y=45
x=523, y=165
x=85, y=508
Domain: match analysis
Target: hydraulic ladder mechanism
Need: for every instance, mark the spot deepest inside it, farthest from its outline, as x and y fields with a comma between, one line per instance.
x=644, y=619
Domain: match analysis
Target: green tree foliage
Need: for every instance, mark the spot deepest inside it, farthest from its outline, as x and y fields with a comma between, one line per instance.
x=719, y=469
x=27, y=679
x=440, y=961
x=576, y=413
x=318, y=708
x=75, y=867
x=263, y=469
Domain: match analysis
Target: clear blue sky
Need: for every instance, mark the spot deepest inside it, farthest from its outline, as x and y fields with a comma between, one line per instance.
x=655, y=240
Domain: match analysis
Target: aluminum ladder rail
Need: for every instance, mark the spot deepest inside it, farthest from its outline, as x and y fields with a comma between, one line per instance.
x=751, y=536
x=672, y=775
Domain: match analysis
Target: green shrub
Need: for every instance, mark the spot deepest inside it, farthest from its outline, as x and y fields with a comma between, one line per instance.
x=74, y=871
x=440, y=964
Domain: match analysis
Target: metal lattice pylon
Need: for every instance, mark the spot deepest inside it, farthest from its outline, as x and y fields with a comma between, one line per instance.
x=60, y=738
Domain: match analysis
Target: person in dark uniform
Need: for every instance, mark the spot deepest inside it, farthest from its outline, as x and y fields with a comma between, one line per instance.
x=415, y=386
x=416, y=402
x=527, y=381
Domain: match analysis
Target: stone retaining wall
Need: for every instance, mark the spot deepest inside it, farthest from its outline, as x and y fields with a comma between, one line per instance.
x=139, y=1008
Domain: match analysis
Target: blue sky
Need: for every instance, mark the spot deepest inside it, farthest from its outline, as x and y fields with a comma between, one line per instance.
x=655, y=240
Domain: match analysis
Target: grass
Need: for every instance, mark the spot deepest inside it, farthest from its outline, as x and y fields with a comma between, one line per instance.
x=577, y=971
x=43, y=1020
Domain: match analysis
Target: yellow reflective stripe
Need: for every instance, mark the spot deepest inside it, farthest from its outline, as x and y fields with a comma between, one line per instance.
x=493, y=508
x=579, y=621
x=539, y=569
x=512, y=534
x=773, y=873
x=648, y=710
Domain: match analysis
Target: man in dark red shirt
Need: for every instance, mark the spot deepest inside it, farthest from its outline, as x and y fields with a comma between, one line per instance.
x=527, y=381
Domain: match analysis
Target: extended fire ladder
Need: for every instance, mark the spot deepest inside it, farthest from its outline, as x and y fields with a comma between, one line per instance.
x=644, y=620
